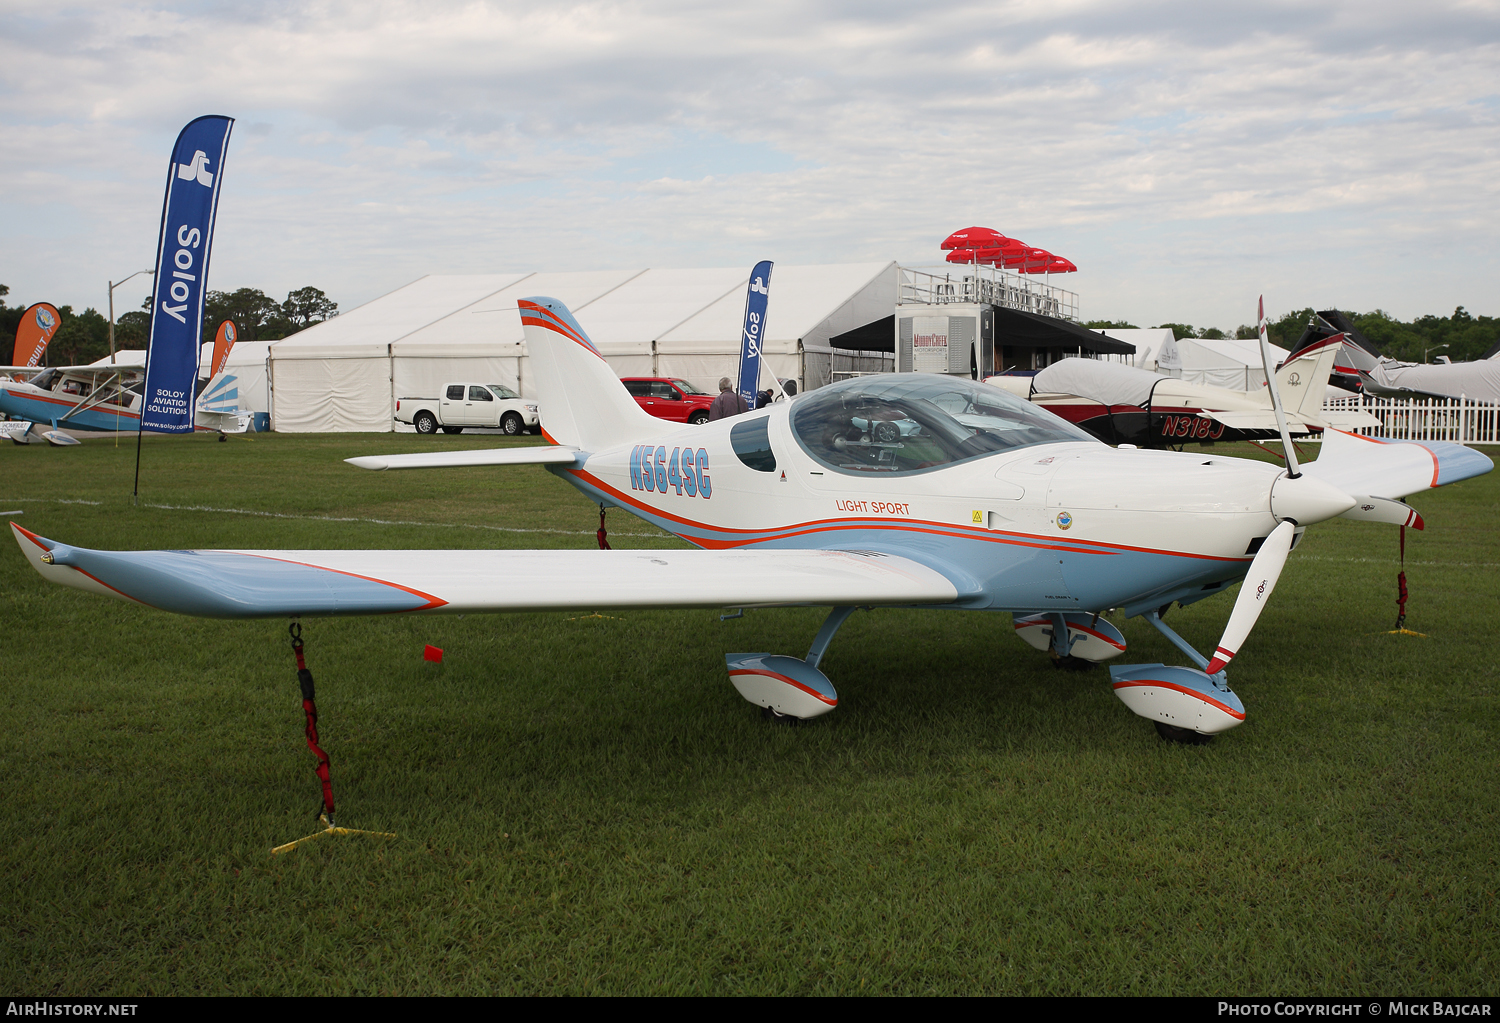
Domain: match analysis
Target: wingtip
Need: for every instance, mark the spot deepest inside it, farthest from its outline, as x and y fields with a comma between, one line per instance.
x=374, y=462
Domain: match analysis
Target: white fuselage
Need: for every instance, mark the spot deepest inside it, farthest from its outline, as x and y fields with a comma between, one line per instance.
x=1076, y=525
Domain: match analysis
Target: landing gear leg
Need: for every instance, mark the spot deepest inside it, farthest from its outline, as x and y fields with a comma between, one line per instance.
x=1062, y=646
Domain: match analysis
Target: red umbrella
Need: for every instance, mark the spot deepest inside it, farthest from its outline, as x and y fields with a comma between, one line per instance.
x=974, y=238
x=1057, y=266
x=986, y=256
x=1029, y=261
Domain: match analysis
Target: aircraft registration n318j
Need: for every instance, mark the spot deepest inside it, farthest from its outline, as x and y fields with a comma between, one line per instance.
x=902, y=490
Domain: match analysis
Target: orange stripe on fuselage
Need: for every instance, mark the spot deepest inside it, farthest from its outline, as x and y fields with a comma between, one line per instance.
x=753, y=536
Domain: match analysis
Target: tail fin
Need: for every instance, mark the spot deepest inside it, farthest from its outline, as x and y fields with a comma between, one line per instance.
x=1303, y=378
x=582, y=402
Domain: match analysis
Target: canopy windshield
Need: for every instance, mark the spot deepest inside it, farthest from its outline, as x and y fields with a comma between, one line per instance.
x=911, y=422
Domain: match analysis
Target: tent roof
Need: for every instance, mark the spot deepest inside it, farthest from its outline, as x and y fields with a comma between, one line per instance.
x=623, y=311
x=366, y=330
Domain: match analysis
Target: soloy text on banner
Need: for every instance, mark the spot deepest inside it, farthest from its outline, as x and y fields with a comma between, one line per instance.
x=754, y=331
x=187, y=231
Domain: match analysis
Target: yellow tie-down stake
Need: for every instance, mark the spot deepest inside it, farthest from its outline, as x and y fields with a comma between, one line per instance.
x=328, y=829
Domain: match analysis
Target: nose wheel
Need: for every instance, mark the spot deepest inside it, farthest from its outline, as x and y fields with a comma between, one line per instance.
x=1185, y=736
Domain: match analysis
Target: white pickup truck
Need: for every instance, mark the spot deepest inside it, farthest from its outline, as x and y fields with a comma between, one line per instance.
x=486, y=405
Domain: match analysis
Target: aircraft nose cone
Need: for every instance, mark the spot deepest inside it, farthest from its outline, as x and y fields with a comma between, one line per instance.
x=1307, y=500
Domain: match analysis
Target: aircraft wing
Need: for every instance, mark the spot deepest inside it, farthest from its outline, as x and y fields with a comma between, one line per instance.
x=266, y=584
x=552, y=454
x=1392, y=469
x=92, y=368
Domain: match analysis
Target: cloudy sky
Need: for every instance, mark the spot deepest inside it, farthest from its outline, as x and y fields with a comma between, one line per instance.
x=1187, y=156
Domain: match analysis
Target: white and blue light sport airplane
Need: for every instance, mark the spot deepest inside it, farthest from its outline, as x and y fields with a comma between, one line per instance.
x=902, y=490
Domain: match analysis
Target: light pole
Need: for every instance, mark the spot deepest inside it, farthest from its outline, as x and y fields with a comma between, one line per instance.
x=1426, y=350
x=112, y=286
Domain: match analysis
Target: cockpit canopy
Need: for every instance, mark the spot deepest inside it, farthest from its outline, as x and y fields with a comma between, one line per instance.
x=911, y=422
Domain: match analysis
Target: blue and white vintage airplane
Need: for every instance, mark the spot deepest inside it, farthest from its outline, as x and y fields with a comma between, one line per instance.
x=901, y=490
x=101, y=396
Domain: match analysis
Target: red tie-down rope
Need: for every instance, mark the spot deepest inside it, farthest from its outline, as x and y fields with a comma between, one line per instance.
x=601, y=534
x=1401, y=586
x=310, y=708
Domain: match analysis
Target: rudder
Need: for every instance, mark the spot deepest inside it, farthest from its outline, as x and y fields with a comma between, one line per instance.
x=582, y=401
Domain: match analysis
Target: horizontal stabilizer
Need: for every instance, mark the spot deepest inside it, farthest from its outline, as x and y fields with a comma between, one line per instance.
x=549, y=455
x=1256, y=419
x=1392, y=468
x=1378, y=509
x=1350, y=420
x=267, y=584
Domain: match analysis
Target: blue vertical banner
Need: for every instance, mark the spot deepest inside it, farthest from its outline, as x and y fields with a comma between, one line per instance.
x=754, y=331
x=187, y=232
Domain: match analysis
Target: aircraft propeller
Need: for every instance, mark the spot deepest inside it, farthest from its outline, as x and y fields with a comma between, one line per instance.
x=1295, y=499
x=1255, y=591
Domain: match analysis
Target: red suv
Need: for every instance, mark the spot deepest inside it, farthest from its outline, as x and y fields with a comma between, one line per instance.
x=670, y=398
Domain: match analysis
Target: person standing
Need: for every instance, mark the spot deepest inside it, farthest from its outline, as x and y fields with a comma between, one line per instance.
x=728, y=403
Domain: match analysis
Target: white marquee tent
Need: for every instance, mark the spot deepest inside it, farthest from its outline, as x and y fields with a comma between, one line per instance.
x=1232, y=363
x=346, y=373
x=1147, y=340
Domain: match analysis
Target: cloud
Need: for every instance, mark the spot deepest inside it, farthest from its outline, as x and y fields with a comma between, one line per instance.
x=1186, y=156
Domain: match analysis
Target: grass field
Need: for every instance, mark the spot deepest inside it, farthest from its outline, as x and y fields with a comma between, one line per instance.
x=585, y=805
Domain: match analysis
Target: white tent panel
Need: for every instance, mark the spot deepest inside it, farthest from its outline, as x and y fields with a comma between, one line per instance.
x=349, y=356
x=330, y=395
x=1232, y=363
x=1147, y=341
x=425, y=377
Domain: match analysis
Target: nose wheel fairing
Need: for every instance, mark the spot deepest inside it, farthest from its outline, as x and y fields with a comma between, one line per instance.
x=1180, y=697
x=788, y=685
x=1187, y=698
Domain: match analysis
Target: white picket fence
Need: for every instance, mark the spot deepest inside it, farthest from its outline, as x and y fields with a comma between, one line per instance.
x=1460, y=420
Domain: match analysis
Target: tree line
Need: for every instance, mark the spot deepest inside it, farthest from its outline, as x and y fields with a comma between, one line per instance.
x=84, y=337
x=1465, y=336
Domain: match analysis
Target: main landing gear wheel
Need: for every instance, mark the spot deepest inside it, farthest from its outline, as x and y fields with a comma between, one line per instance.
x=1071, y=663
x=778, y=718
x=511, y=425
x=1186, y=736
x=425, y=422
x=453, y=429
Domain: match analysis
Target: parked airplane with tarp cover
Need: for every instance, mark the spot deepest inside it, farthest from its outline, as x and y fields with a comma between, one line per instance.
x=1123, y=405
